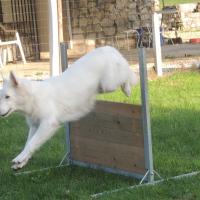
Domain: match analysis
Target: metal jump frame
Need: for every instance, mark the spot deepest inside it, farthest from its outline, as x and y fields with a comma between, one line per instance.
x=150, y=172
x=149, y=175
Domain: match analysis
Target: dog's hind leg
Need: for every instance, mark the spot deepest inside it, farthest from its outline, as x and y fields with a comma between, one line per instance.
x=132, y=80
x=126, y=88
x=44, y=132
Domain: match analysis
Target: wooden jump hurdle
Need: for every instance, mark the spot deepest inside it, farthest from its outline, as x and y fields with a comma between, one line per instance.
x=115, y=137
x=110, y=136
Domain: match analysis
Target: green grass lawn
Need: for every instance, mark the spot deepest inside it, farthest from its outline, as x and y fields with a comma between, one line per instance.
x=175, y=117
x=176, y=2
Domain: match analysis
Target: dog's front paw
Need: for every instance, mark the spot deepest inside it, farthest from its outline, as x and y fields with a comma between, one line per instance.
x=17, y=166
x=21, y=160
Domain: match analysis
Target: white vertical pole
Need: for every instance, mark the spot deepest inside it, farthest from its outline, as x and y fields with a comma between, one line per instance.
x=157, y=43
x=69, y=25
x=54, y=51
x=60, y=20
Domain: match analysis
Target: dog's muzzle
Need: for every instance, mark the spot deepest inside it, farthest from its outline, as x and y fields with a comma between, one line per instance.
x=6, y=114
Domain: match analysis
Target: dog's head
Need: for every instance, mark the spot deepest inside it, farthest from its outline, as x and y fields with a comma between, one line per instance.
x=9, y=96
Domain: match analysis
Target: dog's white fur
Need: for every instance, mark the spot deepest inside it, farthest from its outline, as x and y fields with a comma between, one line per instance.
x=68, y=97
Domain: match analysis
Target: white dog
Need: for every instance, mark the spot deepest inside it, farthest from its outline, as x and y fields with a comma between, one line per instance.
x=68, y=97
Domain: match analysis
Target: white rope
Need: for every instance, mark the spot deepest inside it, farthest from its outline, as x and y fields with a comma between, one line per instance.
x=38, y=170
x=145, y=184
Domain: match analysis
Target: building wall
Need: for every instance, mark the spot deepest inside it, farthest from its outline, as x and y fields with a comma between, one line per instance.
x=43, y=27
x=6, y=11
x=21, y=16
x=190, y=17
x=99, y=20
x=93, y=22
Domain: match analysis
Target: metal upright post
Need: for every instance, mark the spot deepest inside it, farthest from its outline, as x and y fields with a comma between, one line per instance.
x=64, y=66
x=64, y=60
x=146, y=117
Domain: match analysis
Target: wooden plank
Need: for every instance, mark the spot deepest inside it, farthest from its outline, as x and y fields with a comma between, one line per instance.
x=110, y=136
x=112, y=155
x=121, y=109
x=110, y=121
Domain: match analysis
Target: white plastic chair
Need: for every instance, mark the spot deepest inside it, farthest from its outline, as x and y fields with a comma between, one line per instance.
x=15, y=41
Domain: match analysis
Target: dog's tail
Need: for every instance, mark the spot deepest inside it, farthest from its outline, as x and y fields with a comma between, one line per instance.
x=132, y=80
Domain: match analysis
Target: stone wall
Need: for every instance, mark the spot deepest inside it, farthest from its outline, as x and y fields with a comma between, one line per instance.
x=185, y=18
x=100, y=22
x=190, y=15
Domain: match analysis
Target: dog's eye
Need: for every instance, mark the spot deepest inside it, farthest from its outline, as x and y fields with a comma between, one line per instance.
x=7, y=97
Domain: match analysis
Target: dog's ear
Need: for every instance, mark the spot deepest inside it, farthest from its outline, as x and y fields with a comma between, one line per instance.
x=13, y=79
